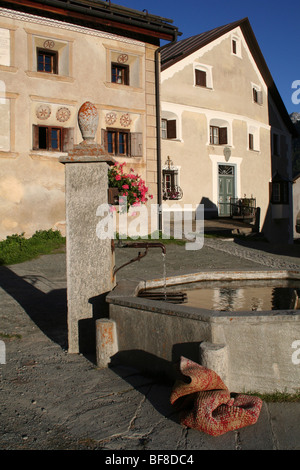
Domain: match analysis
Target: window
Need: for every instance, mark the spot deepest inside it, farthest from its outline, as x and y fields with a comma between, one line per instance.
x=47, y=61
x=234, y=49
x=251, y=142
x=200, y=78
x=257, y=95
x=203, y=75
x=218, y=135
x=168, y=129
x=279, y=190
x=120, y=74
x=280, y=193
x=171, y=189
x=52, y=139
x=276, y=144
x=119, y=142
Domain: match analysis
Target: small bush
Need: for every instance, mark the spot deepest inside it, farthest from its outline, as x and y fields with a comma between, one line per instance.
x=17, y=249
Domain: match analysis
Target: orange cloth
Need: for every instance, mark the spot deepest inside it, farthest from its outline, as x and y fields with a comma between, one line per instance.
x=205, y=404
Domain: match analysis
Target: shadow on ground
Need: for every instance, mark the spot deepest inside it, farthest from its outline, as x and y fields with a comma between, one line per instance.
x=47, y=311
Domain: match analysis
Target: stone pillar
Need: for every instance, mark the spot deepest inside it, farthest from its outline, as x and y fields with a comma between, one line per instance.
x=90, y=261
x=215, y=357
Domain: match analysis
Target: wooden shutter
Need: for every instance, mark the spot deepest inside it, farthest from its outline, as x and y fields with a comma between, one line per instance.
x=251, y=142
x=234, y=46
x=171, y=129
x=67, y=139
x=104, y=139
x=259, y=97
x=200, y=78
x=35, y=137
x=223, y=135
x=282, y=146
x=136, y=144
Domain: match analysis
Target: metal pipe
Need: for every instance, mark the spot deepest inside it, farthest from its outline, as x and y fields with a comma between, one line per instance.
x=144, y=245
x=158, y=127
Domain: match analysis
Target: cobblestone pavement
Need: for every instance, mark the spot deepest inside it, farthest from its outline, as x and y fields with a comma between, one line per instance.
x=54, y=400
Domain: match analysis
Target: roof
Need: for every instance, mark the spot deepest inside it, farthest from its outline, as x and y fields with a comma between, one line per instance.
x=102, y=15
x=181, y=49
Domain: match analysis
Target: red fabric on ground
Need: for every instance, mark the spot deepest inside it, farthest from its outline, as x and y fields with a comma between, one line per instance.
x=205, y=403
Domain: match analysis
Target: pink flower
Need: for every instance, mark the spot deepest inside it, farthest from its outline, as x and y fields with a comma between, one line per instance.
x=125, y=186
x=118, y=178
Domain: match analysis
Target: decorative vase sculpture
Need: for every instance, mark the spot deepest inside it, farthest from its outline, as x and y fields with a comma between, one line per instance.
x=88, y=119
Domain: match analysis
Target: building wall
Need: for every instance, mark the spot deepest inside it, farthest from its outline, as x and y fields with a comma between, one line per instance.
x=227, y=98
x=32, y=182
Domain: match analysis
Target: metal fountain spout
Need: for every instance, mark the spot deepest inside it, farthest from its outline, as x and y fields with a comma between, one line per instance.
x=145, y=246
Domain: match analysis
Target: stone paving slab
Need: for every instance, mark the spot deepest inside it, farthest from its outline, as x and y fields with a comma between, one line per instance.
x=54, y=400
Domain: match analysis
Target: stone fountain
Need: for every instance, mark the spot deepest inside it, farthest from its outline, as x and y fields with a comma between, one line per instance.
x=90, y=261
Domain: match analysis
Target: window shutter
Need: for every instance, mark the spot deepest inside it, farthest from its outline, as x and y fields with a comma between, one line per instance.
x=67, y=139
x=200, y=78
x=251, y=142
x=259, y=97
x=35, y=137
x=171, y=129
x=282, y=146
x=136, y=144
x=234, y=46
x=223, y=135
x=104, y=139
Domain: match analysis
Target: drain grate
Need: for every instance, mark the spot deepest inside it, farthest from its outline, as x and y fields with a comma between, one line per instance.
x=171, y=297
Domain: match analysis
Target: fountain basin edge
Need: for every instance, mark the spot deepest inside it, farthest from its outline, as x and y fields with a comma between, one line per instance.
x=253, y=352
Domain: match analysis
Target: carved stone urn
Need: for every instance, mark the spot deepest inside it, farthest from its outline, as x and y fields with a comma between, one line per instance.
x=88, y=119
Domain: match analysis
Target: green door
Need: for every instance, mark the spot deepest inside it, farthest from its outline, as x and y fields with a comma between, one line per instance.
x=226, y=188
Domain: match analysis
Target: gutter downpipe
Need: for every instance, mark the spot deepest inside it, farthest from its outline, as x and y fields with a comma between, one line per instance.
x=158, y=127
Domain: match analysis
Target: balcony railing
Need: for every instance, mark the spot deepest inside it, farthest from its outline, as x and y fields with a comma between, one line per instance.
x=243, y=208
x=173, y=193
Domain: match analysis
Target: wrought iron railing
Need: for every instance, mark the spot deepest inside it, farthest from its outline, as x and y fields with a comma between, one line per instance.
x=243, y=208
x=173, y=193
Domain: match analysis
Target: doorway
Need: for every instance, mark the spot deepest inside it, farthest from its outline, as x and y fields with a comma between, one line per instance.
x=226, y=188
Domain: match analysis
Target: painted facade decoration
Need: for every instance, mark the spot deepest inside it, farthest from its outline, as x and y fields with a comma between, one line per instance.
x=225, y=128
x=49, y=67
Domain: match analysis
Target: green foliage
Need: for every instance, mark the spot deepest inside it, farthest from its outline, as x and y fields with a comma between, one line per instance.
x=17, y=249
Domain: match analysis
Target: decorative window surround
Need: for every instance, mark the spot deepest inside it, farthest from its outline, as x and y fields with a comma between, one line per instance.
x=208, y=70
x=133, y=61
x=172, y=113
x=255, y=139
x=224, y=134
x=257, y=94
x=236, y=46
x=7, y=148
x=7, y=50
x=58, y=46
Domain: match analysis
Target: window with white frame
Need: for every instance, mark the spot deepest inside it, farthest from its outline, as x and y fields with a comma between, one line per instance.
x=236, y=46
x=257, y=95
x=203, y=76
x=169, y=125
x=253, y=138
x=219, y=132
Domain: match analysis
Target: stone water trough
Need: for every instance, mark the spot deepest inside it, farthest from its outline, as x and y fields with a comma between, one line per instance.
x=251, y=351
